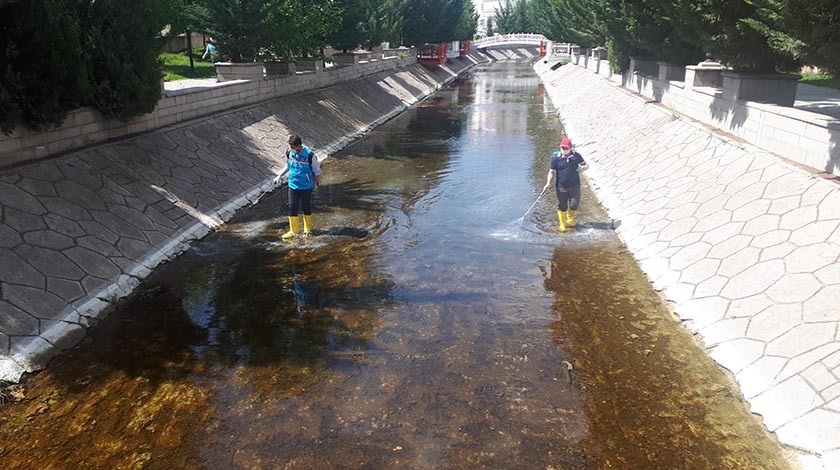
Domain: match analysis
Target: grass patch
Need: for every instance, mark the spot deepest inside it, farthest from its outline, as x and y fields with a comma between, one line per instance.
x=177, y=66
x=820, y=79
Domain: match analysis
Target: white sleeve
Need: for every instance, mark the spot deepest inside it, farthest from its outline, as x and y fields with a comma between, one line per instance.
x=286, y=168
x=316, y=167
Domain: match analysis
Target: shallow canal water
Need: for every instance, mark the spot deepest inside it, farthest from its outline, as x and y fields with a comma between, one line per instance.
x=426, y=325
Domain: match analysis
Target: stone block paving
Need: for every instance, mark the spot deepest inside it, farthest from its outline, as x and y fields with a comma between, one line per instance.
x=743, y=244
x=80, y=231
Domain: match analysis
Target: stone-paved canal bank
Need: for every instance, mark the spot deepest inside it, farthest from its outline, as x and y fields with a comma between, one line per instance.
x=742, y=244
x=79, y=232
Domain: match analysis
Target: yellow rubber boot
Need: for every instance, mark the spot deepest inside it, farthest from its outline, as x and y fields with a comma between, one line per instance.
x=570, y=218
x=307, y=225
x=561, y=216
x=294, y=228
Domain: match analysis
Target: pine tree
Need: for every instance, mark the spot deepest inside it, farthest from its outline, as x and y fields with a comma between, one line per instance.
x=42, y=76
x=121, y=49
x=468, y=24
x=361, y=24
x=574, y=21
x=432, y=21
x=504, y=18
x=739, y=33
x=816, y=24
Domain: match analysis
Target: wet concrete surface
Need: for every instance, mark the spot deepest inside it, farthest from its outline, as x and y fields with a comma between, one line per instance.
x=425, y=325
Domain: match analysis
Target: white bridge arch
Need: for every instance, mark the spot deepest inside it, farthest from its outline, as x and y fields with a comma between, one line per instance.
x=515, y=39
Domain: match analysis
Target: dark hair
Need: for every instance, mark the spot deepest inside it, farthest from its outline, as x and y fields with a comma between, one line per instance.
x=294, y=139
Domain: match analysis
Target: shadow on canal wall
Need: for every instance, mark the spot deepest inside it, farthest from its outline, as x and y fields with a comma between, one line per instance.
x=79, y=232
x=743, y=244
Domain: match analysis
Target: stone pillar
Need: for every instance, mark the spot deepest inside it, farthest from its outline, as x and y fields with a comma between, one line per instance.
x=574, y=52
x=774, y=88
x=642, y=66
x=309, y=64
x=226, y=71
x=348, y=58
x=411, y=56
x=669, y=72
x=705, y=74
x=604, y=68
x=598, y=54
x=275, y=68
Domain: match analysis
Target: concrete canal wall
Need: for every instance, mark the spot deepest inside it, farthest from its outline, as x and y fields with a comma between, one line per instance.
x=86, y=126
x=744, y=245
x=80, y=231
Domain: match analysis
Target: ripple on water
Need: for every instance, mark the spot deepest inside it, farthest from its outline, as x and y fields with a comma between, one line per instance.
x=541, y=234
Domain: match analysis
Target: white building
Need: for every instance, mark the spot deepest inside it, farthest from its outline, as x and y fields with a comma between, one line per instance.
x=486, y=10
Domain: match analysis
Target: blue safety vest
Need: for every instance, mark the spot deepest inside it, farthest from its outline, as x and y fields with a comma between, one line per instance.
x=301, y=175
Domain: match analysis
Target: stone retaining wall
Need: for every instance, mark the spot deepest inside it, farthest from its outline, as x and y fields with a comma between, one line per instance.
x=807, y=138
x=81, y=231
x=86, y=126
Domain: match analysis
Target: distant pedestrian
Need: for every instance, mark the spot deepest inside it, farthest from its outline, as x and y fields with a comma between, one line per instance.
x=565, y=166
x=304, y=176
x=209, y=53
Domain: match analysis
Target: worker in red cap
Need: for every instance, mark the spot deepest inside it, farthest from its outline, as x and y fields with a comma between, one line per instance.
x=565, y=165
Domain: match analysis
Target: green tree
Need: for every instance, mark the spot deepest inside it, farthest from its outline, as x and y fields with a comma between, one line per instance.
x=184, y=15
x=504, y=18
x=394, y=21
x=360, y=24
x=468, y=24
x=575, y=21
x=816, y=24
x=738, y=32
x=744, y=34
x=431, y=21
x=239, y=27
x=42, y=73
x=61, y=54
x=520, y=20
x=302, y=27
x=121, y=51
x=650, y=28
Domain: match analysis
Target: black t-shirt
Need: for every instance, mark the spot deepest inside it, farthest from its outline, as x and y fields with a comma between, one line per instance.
x=567, y=174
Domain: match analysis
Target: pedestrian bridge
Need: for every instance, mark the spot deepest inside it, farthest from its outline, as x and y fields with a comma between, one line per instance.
x=515, y=39
x=561, y=49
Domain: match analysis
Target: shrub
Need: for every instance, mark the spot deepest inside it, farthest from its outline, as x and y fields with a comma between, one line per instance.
x=121, y=49
x=42, y=76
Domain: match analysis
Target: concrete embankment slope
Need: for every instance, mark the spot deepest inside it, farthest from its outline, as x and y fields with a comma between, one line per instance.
x=744, y=245
x=81, y=231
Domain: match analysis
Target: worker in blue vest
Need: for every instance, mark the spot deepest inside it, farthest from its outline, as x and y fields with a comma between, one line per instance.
x=565, y=167
x=304, y=176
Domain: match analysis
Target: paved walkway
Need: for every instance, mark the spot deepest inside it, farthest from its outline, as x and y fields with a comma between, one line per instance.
x=818, y=99
x=192, y=85
x=745, y=246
